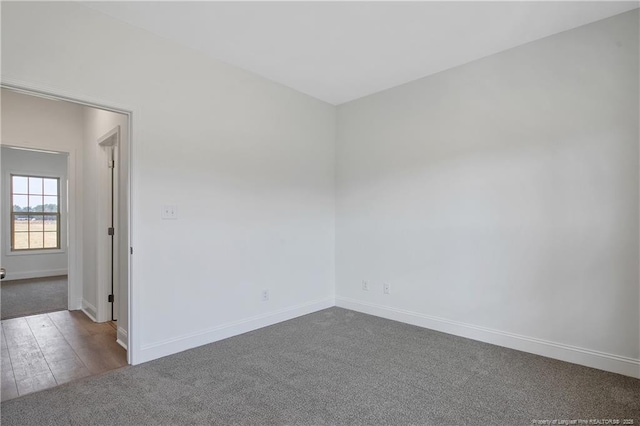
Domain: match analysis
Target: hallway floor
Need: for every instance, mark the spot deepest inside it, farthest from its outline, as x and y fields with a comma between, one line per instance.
x=43, y=351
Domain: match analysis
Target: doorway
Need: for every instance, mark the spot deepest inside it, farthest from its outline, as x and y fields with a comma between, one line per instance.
x=88, y=332
x=34, y=229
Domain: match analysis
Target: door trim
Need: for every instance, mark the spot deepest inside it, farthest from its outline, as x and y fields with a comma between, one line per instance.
x=108, y=246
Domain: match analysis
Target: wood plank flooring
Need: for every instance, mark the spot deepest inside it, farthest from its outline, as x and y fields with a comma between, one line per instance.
x=43, y=351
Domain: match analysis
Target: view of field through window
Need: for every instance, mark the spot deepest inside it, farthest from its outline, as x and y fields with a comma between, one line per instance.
x=35, y=213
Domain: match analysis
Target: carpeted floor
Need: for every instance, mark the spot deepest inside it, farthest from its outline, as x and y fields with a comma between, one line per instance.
x=34, y=296
x=337, y=367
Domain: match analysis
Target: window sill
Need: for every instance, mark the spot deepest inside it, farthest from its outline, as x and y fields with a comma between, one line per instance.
x=34, y=252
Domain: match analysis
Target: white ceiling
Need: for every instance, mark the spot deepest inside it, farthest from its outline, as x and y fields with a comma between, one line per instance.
x=340, y=51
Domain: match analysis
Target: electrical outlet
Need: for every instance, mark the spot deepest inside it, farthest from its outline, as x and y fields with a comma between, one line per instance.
x=386, y=288
x=264, y=296
x=365, y=286
x=169, y=212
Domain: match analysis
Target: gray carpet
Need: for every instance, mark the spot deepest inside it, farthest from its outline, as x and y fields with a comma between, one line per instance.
x=34, y=296
x=337, y=367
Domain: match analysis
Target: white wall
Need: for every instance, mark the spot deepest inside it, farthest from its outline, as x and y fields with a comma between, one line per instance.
x=500, y=199
x=39, y=123
x=41, y=263
x=249, y=164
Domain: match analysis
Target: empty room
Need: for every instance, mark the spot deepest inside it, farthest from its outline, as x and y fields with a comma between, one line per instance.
x=382, y=213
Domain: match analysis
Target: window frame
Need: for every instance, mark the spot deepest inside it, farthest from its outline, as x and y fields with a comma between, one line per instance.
x=42, y=214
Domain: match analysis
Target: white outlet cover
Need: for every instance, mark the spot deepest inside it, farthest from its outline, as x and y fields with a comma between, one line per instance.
x=169, y=212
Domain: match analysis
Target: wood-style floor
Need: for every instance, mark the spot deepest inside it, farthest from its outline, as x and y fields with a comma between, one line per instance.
x=43, y=351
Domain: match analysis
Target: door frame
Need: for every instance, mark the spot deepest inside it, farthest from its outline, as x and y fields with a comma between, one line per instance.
x=108, y=248
x=133, y=342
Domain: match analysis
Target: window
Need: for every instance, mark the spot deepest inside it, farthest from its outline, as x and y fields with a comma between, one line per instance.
x=35, y=213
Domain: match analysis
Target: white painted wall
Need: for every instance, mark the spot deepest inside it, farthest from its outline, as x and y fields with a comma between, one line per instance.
x=500, y=198
x=41, y=263
x=39, y=123
x=249, y=163
x=96, y=189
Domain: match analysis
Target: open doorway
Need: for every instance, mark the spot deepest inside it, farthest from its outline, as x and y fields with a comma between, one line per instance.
x=34, y=183
x=78, y=217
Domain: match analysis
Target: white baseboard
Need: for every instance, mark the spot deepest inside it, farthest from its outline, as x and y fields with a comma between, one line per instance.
x=34, y=274
x=76, y=305
x=224, y=331
x=587, y=357
x=90, y=310
x=121, y=338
